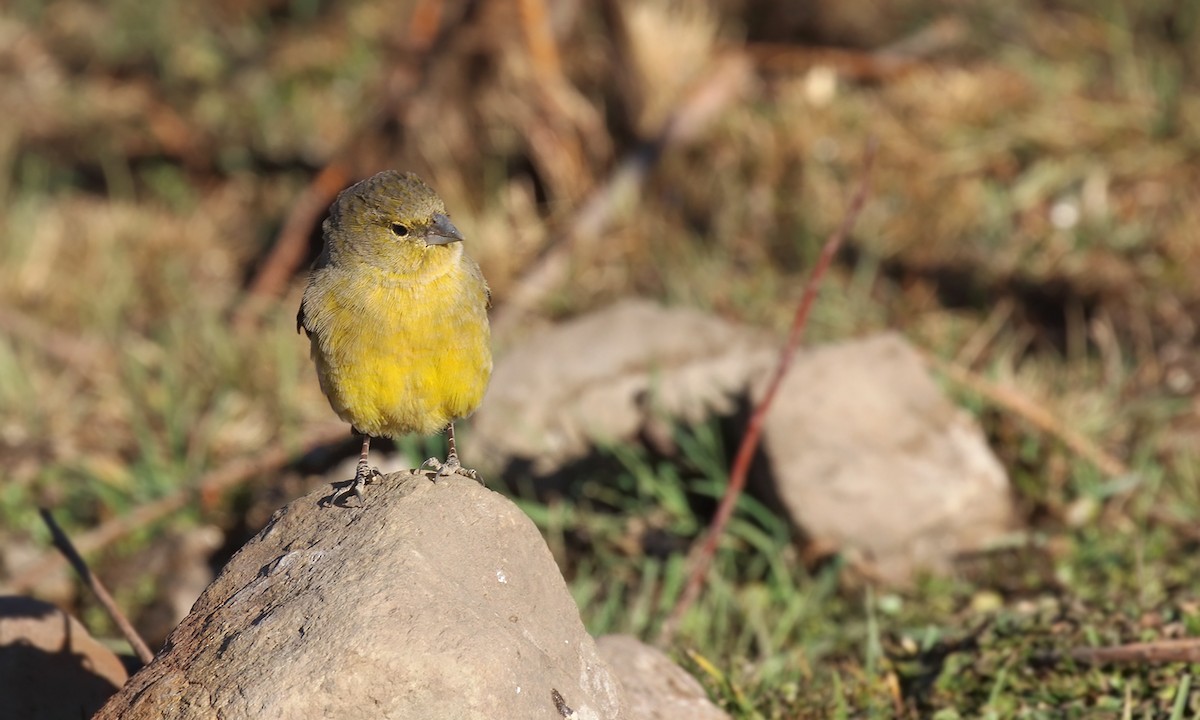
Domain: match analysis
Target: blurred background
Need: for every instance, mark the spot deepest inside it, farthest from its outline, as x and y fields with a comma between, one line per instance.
x=1034, y=221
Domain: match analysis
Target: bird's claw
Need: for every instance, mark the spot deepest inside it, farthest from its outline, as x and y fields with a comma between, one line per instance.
x=363, y=475
x=451, y=467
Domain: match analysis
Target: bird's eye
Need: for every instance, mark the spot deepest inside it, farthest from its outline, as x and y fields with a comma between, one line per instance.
x=399, y=230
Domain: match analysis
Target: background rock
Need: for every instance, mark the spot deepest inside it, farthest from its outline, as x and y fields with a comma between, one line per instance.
x=867, y=454
x=655, y=687
x=50, y=667
x=604, y=376
x=434, y=600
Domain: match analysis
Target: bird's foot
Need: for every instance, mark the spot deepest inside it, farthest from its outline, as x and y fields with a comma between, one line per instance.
x=363, y=475
x=451, y=467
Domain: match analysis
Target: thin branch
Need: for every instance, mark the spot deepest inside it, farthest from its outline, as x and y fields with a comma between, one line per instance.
x=534, y=19
x=1015, y=402
x=426, y=23
x=213, y=483
x=895, y=60
x=1155, y=652
x=705, y=549
x=63, y=543
x=291, y=245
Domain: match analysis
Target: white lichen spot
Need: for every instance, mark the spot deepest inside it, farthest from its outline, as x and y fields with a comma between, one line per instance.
x=1064, y=214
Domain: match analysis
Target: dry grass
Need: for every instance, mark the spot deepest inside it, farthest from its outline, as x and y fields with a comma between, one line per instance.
x=1035, y=216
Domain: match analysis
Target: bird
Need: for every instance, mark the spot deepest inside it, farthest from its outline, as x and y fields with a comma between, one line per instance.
x=396, y=316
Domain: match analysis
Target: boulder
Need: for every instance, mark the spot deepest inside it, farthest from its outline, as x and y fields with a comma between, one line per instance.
x=50, y=667
x=655, y=687
x=866, y=454
x=606, y=376
x=427, y=600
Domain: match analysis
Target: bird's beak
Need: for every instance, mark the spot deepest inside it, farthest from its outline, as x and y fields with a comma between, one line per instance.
x=442, y=231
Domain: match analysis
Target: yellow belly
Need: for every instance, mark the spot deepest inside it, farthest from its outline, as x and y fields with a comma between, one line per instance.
x=401, y=359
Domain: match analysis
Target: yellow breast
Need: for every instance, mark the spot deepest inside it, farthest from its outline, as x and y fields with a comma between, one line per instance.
x=395, y=356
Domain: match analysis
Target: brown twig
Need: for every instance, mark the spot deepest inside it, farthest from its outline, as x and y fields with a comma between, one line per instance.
x=426, y=24
x=1153, y=652
x=561, y=127
x=706, y=548
x=1013, y=401
x=221, y=479
x=886, y=63
x=291, y=245
x=854, y=64
x=63, y=543
x=539, y=40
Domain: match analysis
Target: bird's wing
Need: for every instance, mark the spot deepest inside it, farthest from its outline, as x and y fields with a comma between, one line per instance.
x=476, y=274
x=300, y=320
x=321, y=261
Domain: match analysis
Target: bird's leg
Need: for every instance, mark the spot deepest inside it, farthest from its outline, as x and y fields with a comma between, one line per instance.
x=452, y=466
x=452, y=456
x=363, y=474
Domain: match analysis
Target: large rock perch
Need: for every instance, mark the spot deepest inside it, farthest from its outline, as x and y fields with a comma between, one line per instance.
x=434, y=600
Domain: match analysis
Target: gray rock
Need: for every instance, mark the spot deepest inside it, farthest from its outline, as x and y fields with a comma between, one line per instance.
x=433, y=600
x=606, y=376
x=655, y=687
x=868, y=455
x=50, y=667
